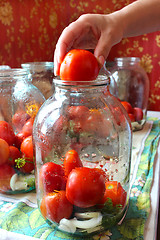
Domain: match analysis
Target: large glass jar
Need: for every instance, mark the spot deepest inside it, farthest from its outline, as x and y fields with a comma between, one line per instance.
x=41, y=74
x=19, y=104
x=82, y=141
x=133, y=88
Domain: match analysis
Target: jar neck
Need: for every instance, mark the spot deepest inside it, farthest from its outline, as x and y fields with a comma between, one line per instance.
x=73, y=87
x=127, y=61
x=13, y=75
x=38, y=67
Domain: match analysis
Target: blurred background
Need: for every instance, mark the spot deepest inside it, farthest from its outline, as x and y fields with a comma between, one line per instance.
x=30, y=29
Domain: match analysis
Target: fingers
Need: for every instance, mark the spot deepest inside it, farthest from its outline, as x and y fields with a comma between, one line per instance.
x=102, y=50
x=69, y=35
x=58, y=57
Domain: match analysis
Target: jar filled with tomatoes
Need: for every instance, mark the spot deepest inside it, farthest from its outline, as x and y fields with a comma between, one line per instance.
x=82, y=140
x=41, y=75
x=19, y=104
x=133, y=88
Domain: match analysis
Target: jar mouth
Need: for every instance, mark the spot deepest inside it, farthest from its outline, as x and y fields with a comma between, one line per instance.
x=99, y=81
x=13, y=72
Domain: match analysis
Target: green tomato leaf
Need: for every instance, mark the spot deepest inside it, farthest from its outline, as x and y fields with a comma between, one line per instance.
x=132, y=228
x=15, y=220
x=36, y=219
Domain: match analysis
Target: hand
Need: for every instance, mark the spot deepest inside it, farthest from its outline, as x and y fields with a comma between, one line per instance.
x=89, y=31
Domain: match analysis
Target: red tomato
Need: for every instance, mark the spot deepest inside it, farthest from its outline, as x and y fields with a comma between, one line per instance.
x=52, y=177
x=14, y=154
x=27, y=128
x=115, y=192
x=19, y=139
x=132, y=117
x=85, y=187
x=7, y=133
x=55, y=206
x=71, y=161
x=79, y=65
x=25, y=164
x=6, y=172
x=78, y=112
x=95, y=123
x=27, y=147
x=127, y=106
x=4, y=151
x=19, y=119
x=138, y=113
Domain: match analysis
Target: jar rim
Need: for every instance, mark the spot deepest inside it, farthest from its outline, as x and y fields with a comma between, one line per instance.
x=38, y=66
x=13, y=72
x=127, y=59
x=101, y=80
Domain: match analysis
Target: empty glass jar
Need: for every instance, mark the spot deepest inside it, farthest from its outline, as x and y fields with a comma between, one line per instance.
x=19, y=104
x=41, y=74
x=82, y=141
x=133, y=88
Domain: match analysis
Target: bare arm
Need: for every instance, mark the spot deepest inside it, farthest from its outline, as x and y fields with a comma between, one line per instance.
x=100, y=32
x=140, y=17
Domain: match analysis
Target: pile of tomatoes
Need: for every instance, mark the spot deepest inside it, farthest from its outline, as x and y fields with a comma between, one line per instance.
x=16, y=150
x=72, y=185
x=135, y=113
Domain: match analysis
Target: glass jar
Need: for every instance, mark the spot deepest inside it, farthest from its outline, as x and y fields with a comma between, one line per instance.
x=3, y=67
x=133, y=88
x=41, y=74
x=82, y=140
x=19, y=104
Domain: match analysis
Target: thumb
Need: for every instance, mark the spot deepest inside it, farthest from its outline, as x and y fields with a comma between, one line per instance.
x=102, y=49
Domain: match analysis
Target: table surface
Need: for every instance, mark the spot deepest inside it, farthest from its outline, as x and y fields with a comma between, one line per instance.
x=151, y=224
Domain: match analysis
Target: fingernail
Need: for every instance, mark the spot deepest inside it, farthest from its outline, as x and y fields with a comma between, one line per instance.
x=101, y=60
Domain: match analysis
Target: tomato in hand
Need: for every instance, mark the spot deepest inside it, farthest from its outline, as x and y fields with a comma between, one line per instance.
x=115, y=192
x=85, y=187
x=79, y=65
x=51, y=177
x=14, y=154
x=4, y=151
x=7, y=133
x=6, y=172
x=71, y=161
x=56, y=206
x=138, y=113
x=27, y=147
